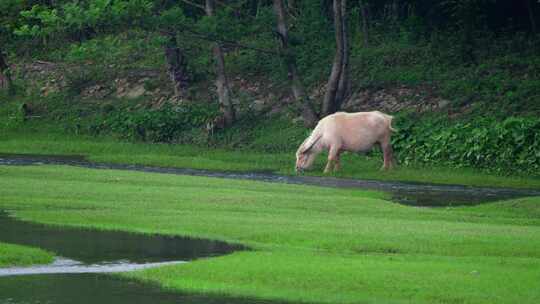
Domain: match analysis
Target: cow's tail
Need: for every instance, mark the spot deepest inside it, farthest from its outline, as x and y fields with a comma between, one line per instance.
x=389, y=119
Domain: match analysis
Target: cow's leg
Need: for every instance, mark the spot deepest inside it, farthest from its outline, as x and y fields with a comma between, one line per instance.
x=388, y=154
x=328, y=167
x=333, y=155
x=337, y=162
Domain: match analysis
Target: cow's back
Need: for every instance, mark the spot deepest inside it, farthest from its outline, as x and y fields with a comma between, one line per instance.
x=355, y=131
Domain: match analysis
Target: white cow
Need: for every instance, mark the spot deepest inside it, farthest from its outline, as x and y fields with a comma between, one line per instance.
x=354, y=132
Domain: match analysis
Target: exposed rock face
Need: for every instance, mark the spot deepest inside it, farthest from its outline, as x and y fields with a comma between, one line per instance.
x=124, y=88
x=96, y=91
x=258, y=105
x=259, y=95
x=395, y=99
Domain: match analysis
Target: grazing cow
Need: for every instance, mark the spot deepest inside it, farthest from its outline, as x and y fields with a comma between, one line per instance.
x=354, y=132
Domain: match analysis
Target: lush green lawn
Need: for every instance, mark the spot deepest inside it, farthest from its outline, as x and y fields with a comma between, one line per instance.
x=182, y=156
x=310, y=244
x=16, y=255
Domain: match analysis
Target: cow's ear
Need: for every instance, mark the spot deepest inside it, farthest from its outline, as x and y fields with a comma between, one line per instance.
x=309, y=143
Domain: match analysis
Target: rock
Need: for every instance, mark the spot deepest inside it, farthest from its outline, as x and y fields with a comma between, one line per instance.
x=126, y=89
x=443, y=103
x=258, y=105
x=298, y=120
x=136, y=91
x=49, y=88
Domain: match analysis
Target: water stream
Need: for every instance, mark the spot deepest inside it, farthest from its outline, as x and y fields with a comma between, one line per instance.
x=413, y=194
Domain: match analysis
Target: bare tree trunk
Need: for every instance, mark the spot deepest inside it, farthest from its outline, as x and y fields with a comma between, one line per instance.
x=6, y=73
x=531, y=16
x=331, y=102
x=253, y=7
x=222, y=83
x=468, y=45
x=344, y=84
x=308, y=113
x=176, y=66
x=365, y=28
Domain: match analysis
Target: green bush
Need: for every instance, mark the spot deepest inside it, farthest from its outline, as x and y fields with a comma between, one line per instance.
x=167, y=124
x=508, y=146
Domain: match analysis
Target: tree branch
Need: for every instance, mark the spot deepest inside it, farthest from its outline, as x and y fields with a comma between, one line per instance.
x=222, y=41
x=194, y=4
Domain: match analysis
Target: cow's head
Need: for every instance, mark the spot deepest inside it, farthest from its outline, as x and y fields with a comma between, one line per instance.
x=306, y=153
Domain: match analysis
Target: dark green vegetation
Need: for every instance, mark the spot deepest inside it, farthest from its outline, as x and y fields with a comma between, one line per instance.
x=350, y=246
x=16, y=255
x=462, y=76
x=510, y=145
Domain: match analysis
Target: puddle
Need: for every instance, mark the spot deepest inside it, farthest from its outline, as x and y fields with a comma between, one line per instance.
x=92, y=246
x=97, y=288
x=413, y=194
x=76, y=276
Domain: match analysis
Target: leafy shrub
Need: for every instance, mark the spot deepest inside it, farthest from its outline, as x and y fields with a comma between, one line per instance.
x=132, y=48
x=508, y=146
x=167, y=124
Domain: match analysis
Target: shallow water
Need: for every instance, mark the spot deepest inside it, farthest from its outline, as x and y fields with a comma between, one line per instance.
x=96, y=289
x=83, y=255
x=413, y=194
x=93, y=246
x=64, y=265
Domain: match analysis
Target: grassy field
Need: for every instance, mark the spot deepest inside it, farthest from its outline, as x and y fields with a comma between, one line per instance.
x=185, y=156
x=16, y=255
x=310, y=244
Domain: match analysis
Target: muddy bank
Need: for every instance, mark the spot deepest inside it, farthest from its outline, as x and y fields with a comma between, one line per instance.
x=414, y=194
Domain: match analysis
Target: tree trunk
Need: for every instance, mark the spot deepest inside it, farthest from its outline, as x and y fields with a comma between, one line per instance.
x=176, y=66
x=6, y=74
x=468, y=45
x=334, y=94
x=531, y=16
x=253, y=7
x=308, y=113
x=222, y=84
x=344, y=84
x=365, y=28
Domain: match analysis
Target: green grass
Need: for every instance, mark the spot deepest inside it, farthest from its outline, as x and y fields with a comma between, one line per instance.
x=310, y=244
x=16, y=255
x=184, y=156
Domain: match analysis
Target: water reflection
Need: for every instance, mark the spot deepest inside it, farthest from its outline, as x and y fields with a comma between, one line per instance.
x=96, y=289
x=93, y=246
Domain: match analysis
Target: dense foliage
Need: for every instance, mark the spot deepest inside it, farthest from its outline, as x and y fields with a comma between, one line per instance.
x=166, y=124
x=480, y=55
x=511, y=145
